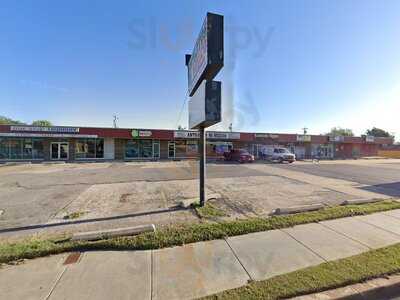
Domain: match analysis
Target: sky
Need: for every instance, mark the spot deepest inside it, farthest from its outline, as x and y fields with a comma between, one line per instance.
x=288, y=64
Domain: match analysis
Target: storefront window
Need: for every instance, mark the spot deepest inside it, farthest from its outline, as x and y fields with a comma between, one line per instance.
x=185, y=149
x=146, y=149
x=37, y=152
x=100, y=148
x=4, y=149
x=218, y=148
x=27, y=149
x=16, y=149
x=132, y=149
x=21, y=148
x=322, y=151
x=191, y=148
x=89, y=148
x=180, y=148
x=141, y=149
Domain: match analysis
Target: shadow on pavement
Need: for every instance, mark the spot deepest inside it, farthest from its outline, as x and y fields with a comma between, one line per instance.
x=139, y=214
x=389, y=189
x=379, y=293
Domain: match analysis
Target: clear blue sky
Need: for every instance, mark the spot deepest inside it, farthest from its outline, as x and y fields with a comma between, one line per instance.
x=289, y=64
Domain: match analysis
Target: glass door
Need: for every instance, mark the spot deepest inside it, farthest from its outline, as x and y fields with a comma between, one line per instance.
x=171, y=149
x=54, y=151
x=63, y=151
x=156, y=149
x=59, y=151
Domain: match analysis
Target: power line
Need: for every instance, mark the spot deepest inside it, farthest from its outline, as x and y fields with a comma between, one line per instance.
x=181, y=111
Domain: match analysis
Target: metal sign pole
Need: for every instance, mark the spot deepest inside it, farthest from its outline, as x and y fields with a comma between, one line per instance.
x=202, y=166
x=206, y=60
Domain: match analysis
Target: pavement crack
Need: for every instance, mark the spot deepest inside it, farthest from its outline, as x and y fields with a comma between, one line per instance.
x=237, y=258
x=379, y=227
x=345, y=235
x=304, y=245
x=56, y=283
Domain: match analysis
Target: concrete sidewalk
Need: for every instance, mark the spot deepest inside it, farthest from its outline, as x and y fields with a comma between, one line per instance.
x=199, y=269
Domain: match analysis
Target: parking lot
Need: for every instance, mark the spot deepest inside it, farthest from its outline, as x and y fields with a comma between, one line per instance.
x=105, y=195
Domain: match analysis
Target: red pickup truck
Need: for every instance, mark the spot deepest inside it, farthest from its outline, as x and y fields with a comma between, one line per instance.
x=239, y=155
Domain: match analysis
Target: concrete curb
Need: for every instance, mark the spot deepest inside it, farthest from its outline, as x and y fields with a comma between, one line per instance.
x=298, y=209
x=98, y=235
x=361, y=201
x=186, y=203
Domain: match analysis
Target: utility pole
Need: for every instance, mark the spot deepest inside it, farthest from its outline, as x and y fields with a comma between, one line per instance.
x=115, y=119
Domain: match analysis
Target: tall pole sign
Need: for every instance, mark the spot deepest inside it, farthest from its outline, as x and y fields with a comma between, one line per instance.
x=206, y=60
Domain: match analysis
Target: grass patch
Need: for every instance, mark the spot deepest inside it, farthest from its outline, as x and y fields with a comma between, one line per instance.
x=330, y=275
x=187, y=233
x=209, y=211
x=74, y=215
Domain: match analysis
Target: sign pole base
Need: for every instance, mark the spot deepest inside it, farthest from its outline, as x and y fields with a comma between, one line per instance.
x=202, y=166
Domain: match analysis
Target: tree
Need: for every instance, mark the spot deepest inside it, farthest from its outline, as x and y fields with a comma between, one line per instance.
x=338, y=131
x=8, y=121
x=42, y=123
x=180, y=127
x=377, y=132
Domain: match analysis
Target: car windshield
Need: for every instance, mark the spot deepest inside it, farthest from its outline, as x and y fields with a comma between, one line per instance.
x=283, y=150
x=245, y=152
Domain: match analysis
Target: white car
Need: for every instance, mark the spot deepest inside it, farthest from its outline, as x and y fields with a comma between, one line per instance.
x=280, y=154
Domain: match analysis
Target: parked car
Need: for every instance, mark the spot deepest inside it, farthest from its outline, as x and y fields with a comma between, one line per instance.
x=239, y=155
x=279, y=154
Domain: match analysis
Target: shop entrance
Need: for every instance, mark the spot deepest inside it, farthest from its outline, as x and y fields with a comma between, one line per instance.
x=59, y=150
x=171, y=149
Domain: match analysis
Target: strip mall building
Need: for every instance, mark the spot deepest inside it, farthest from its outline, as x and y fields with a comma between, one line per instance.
x=32, y=143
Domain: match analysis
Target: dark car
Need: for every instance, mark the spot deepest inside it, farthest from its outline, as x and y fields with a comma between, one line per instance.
x=239, y=155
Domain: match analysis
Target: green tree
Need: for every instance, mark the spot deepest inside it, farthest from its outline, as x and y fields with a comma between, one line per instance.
x=377, y=132
x=42, y=123
x=338, y=131
x=8, y=121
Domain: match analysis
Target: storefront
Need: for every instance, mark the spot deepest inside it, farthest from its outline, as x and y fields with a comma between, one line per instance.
x=33, y=143
x=58, y=143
